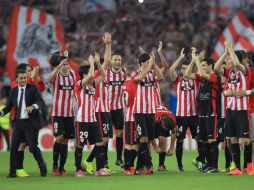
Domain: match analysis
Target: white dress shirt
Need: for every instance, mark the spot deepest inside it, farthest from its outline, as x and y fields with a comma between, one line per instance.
x=23, y=113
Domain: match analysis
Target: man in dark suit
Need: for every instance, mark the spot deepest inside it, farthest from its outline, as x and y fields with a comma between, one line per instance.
x=27, y=101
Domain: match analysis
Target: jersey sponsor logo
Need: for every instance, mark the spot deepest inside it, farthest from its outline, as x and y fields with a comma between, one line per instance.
x=187, y=85
x=116, y=83
x=204, y=96
x=63, y=87
x=147, y=84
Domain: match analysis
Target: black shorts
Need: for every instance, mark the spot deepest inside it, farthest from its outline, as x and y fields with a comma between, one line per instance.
x=117, y=119
x=160, y=131
x=207, y=128
x=221, y=130
x=145, y=125
x=237, y=124
x=105, y=124
x=87, y=131
x=182, y=125
x=130, y=132
x=63, y=126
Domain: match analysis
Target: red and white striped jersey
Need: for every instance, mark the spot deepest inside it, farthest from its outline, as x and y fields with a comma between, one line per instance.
x=158, y=99
x=186, y=91
x=145, y=93
x=129, y=91
x=251, y=98
x=102, y=95
x=236, y=80
x=115, y=81
x=63, y=95
x=86, y=103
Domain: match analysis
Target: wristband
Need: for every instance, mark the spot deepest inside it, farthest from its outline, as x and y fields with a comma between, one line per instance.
x=248, y=92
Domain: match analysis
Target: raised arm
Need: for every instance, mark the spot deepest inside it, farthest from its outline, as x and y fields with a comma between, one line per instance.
x=100, y=68
x=107, y=54
x=164, y=67
x=234, y=58
x=159, y=75
x=55, y=72
x=218, y=65
x=172, y=71
x=200, y=69
x=188, y=73
x=90, y=76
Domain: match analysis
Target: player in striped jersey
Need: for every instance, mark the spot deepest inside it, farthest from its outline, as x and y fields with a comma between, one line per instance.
x=250, y=94
x=186, y=113
x=163, y=70
x=116, y=76
x=62, y=79
x=87, y=128
x=130, y=147
x=221, y=122
x=237, y=129
x=144, y=107
x=161, y=149
x=102, y=106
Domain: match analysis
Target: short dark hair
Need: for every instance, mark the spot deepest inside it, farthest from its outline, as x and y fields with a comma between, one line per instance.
x=19, y=71
x=143, y=58
x=117, y=52
x=101, y=62
x=23, y=66
x=209, y=61
x=241, y=55
x=83, y=69
x=56, y=59
x=186, y=61
x=250, y=56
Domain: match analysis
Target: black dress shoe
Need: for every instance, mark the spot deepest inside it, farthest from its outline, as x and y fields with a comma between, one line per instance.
x=43, y=169
x=11, y=175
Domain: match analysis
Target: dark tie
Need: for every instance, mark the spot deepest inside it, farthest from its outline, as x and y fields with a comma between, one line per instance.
x=20, y=104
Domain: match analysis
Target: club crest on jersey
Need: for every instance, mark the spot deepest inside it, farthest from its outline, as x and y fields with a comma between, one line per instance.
x=90, y=91
x=116, y=83
x=187, y=85
x=63, y=87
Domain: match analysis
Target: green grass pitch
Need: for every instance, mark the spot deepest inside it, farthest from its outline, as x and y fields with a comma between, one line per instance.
x=171, y=180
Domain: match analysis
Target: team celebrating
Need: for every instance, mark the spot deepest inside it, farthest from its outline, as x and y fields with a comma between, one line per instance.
x=214, y=100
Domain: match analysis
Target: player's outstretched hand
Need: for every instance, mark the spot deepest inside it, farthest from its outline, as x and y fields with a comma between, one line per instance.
x=182, y=54
x=91, y=59
x=106, y=38
x=160, y=47
x=170, y=152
